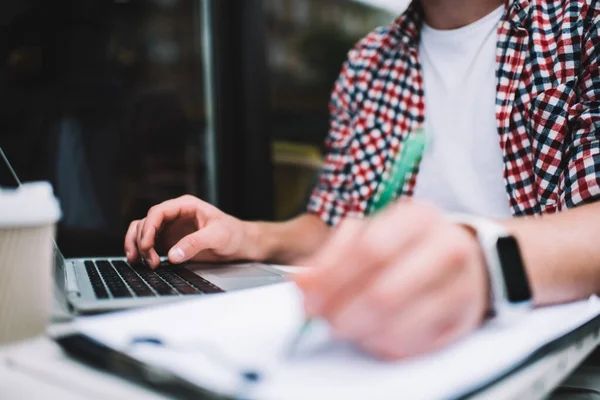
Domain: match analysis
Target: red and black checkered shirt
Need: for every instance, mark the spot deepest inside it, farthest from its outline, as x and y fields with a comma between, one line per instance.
x=547, y=109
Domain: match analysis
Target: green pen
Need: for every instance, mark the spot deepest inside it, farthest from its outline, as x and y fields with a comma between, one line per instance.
x=405, y=162
x=293, y=347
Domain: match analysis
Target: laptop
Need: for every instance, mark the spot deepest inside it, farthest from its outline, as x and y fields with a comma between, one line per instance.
x=94, y=285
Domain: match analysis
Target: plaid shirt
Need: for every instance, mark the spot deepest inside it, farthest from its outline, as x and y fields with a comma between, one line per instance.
x=547, y=109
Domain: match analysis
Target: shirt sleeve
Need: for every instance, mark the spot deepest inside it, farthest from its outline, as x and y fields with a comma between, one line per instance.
x=330, y=199
x=580, y=183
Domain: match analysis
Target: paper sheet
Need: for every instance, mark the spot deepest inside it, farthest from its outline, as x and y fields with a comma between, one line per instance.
x=209, y=340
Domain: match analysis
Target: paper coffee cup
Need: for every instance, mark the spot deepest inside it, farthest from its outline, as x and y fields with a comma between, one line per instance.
x=28, y=216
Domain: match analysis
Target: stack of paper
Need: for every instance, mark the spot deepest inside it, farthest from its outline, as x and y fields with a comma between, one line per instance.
x=211, y=340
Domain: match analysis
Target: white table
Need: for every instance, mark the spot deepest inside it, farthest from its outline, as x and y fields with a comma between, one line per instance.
x=38, y=369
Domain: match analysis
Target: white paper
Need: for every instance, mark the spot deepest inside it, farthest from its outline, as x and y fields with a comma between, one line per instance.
x=209, y=340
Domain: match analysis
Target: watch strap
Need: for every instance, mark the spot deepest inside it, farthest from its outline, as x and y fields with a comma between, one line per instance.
x=489, y=234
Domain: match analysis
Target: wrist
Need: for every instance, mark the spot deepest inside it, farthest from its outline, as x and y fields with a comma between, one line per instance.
x=480, y=261
x=284, y=242
x=508, y=281
x=256, y=245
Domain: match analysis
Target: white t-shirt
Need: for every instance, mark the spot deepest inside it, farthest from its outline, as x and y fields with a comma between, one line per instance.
x=462, y=171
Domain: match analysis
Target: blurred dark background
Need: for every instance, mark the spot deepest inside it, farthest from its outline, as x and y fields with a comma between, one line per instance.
x=108, y=100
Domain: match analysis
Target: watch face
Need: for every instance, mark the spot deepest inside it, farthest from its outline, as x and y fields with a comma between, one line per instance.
x=515, y=277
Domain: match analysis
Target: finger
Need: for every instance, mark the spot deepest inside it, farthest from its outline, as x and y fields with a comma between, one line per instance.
x=207, y=256
x=144, y=254
x=152, y=259
x=130, y=242
x=382, y=240
x=339, y=243
x=366, y=305
x=210, y=237
x=167, y=211
x=427, y=324
x=140, y=237
x=462, y=327
x=341, y=237
x=149, y=255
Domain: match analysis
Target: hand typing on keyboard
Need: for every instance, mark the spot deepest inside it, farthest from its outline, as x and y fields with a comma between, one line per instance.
x=188, y=229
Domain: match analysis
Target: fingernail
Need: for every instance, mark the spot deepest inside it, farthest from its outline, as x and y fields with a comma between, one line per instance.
x=127, y=254
x=176, y=254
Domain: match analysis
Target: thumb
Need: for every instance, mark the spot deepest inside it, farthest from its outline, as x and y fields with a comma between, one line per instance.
x=192, y=244
x=306, y=280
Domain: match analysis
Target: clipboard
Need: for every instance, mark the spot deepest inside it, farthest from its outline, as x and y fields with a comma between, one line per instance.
x=590, y=328
x=98, y=355
x=264, y=315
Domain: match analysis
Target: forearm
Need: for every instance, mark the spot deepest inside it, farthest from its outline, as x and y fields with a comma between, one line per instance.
x=561, y=253
x=286, y=242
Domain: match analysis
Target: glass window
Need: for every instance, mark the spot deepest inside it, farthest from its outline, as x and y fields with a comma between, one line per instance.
x=305, y=54
x=105, y=100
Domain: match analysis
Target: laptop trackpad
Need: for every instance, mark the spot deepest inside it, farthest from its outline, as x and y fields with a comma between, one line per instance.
x=231, y=271
x=239, y=276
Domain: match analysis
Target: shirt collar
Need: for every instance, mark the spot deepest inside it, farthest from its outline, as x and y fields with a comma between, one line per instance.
x=408, y=25
x=517, y=11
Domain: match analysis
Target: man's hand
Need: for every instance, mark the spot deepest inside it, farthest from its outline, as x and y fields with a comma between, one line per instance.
x=400, y=284
x=188, y=229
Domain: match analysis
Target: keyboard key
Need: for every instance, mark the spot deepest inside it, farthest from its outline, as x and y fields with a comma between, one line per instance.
x=95, y=280
x=115, y=284
x=139, y=287
x=198, y=282
x=178, y=283
x=154, y=280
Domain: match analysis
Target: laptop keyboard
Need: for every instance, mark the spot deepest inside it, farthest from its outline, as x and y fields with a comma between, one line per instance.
x=113, y=281
x=136, y=283
x=123, y=280
x=97, y=284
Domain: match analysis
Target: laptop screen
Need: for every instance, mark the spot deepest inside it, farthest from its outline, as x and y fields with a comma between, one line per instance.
x=10, y=179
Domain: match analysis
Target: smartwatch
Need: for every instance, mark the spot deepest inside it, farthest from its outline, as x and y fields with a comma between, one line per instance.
x=510, y=290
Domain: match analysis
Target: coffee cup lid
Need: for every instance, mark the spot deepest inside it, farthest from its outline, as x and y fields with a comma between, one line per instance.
x=30, y=204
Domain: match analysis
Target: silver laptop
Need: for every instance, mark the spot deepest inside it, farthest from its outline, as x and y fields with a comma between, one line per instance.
x=104, y=284
x=93, y=285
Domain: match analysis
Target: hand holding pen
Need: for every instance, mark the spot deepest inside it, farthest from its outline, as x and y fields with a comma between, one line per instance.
x=402, y=282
